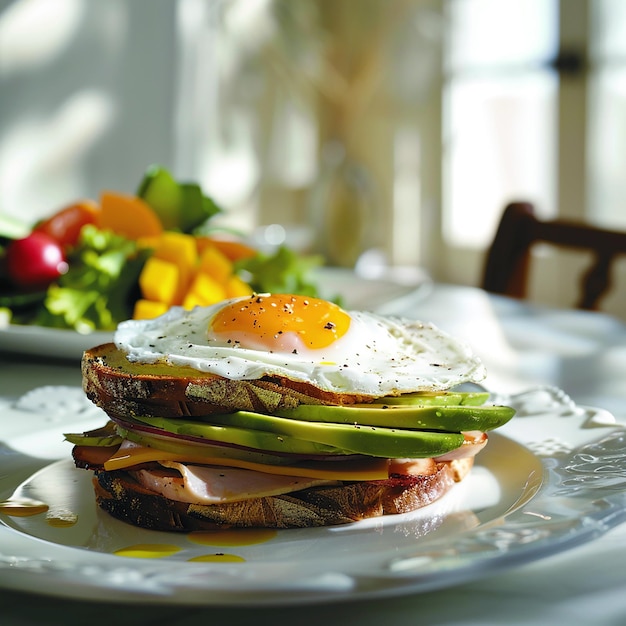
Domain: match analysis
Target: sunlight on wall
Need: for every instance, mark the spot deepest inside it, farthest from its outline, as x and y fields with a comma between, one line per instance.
x=32, y=32
x=40, y=150
x=87, y=98
x=38, y=155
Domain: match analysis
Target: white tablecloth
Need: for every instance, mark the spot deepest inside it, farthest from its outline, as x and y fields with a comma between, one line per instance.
x=582, y=353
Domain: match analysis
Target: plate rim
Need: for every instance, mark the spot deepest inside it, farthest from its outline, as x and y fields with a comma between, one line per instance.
x=523, y=534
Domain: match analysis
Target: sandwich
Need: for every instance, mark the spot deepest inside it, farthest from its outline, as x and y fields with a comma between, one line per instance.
x=279, y=411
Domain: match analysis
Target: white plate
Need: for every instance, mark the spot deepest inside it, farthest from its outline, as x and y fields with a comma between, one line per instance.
x=49, y=342
x=554, y=481
x=383, y=295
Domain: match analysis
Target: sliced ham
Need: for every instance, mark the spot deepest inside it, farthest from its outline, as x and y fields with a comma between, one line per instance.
x=198, y=484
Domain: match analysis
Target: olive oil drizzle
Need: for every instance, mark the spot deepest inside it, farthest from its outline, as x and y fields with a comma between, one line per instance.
x=23, y=507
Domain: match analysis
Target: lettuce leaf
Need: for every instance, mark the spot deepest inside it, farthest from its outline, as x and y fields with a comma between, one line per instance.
x=100, y=287
x=283, y=271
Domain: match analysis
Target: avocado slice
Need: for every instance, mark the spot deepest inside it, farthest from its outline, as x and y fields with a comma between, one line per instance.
x=436, y=398
x=193, y=449
x=104, y=437
x=358, y=439
x=275, y=434
x=248, y=437
x=455, y=418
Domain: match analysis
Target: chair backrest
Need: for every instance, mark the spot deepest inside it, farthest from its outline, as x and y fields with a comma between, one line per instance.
x=507, y=262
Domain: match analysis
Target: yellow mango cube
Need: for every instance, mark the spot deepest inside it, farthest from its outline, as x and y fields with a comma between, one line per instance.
x=215, y=264
x=204, y=290
x=159, y=280
x=180, y=249
x=148, y=242
x=148, y=309
x=192, y=300
x=236, y=287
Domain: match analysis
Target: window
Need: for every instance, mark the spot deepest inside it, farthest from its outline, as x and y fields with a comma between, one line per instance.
x=534, y=108
x=500, y=97
x=607, y=113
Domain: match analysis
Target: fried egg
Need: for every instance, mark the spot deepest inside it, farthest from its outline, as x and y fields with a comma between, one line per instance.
x=303, y=339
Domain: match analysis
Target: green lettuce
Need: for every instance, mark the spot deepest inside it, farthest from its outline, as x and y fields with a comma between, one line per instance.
x=100, y=287
x=283, y=271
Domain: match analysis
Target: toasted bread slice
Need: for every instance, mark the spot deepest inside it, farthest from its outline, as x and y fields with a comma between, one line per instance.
x=124, y=388
x=124, y=498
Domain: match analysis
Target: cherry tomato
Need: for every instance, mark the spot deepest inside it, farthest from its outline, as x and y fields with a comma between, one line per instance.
x=66, y=224
x=35, y=261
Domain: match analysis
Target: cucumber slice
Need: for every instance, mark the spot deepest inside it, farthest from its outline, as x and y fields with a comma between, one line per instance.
x=159, y=189
x=197, y=208
x=180, y=206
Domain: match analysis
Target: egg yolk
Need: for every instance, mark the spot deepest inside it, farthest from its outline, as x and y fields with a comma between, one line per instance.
x=279, y=322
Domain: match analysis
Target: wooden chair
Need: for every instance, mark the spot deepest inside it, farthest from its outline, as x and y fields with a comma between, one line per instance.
x=507, y=262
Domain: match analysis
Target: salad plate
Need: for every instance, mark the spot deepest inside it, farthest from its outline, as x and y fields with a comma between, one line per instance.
x=383, y=295
x=49, y=342
x=551, y=479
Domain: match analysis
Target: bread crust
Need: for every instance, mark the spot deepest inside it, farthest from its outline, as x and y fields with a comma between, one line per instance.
x=113, y=383
x=160, y=390
x=121, y=496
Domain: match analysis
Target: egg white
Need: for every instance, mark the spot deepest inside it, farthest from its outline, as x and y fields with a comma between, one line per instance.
x=377, y=356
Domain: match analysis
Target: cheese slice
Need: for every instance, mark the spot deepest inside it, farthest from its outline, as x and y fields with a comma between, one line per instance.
x=130, y=454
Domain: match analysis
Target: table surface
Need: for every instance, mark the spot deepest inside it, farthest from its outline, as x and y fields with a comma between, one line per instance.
x=582, y=353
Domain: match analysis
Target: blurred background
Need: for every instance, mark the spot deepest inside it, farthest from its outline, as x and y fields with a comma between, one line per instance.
x=377, y=132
